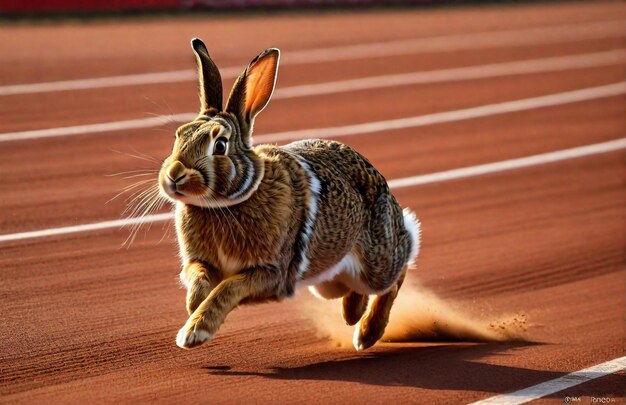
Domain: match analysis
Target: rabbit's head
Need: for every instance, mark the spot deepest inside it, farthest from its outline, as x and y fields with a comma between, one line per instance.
x=212, y=163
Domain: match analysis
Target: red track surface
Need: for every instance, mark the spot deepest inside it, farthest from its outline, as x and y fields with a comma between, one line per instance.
x=84, y=320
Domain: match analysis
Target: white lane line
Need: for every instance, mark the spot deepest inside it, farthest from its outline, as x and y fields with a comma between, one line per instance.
x=520, y=37
x=117, y=223
x=617, y=56
x=86, y=129
x=471, y=171
x=457, y=42
x=567, y=97
x=511, y=164
x=529, y=66
x=558, y=384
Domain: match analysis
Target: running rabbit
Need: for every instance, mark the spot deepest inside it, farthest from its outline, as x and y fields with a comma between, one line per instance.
x=254, y=223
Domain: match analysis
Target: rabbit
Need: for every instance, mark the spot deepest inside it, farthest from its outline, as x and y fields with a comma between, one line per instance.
x=255, y=223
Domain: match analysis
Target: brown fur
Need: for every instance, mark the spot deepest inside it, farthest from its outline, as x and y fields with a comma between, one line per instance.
x=253, y=223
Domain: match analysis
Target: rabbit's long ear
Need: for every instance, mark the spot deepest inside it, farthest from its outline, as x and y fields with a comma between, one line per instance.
x=210, y=79
x=253, y=90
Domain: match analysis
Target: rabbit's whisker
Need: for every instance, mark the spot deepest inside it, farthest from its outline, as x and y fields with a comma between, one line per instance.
x=136, y=196
x=152, y=160
x=128, y=189
x=167, y=226
x=149, y=202
x=136, y=203
x=132, y=176
x=145, y=155
x=132, y=172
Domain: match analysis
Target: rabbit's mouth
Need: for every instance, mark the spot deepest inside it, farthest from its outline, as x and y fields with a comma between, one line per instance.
x=190, y=188
x=179, y=183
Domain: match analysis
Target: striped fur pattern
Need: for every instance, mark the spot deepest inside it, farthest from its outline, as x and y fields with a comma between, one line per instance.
x=254, y=223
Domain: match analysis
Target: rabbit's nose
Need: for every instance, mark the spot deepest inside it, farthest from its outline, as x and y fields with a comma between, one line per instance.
x=176, y=171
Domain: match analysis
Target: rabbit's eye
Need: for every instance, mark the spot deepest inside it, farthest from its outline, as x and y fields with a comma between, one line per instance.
x=220, y=146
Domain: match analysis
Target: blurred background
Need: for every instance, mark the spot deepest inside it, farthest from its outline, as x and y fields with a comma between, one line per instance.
x=37, y=7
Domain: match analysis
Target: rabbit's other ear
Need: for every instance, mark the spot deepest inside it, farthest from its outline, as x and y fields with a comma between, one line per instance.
x=253, y=89
x=210, y=80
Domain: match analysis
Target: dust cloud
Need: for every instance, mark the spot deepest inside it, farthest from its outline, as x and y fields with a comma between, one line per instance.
x=419, y=315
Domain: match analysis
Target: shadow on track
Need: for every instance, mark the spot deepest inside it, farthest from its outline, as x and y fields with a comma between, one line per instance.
x=440, y=367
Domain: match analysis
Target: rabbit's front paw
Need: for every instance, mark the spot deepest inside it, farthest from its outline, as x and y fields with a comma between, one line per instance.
x=189, y=338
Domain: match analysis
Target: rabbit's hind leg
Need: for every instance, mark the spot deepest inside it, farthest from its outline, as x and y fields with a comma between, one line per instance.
x=353, y=307
x=371, y=328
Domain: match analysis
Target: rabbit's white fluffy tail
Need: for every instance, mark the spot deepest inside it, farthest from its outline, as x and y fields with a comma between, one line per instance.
x=413, y=227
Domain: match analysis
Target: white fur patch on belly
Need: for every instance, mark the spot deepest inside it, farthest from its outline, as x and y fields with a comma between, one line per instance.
x=349, y=264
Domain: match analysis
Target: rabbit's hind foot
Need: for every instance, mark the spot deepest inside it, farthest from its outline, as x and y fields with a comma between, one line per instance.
x=370, y=329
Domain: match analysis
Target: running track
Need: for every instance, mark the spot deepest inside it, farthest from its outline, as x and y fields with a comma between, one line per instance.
x=541, y=232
